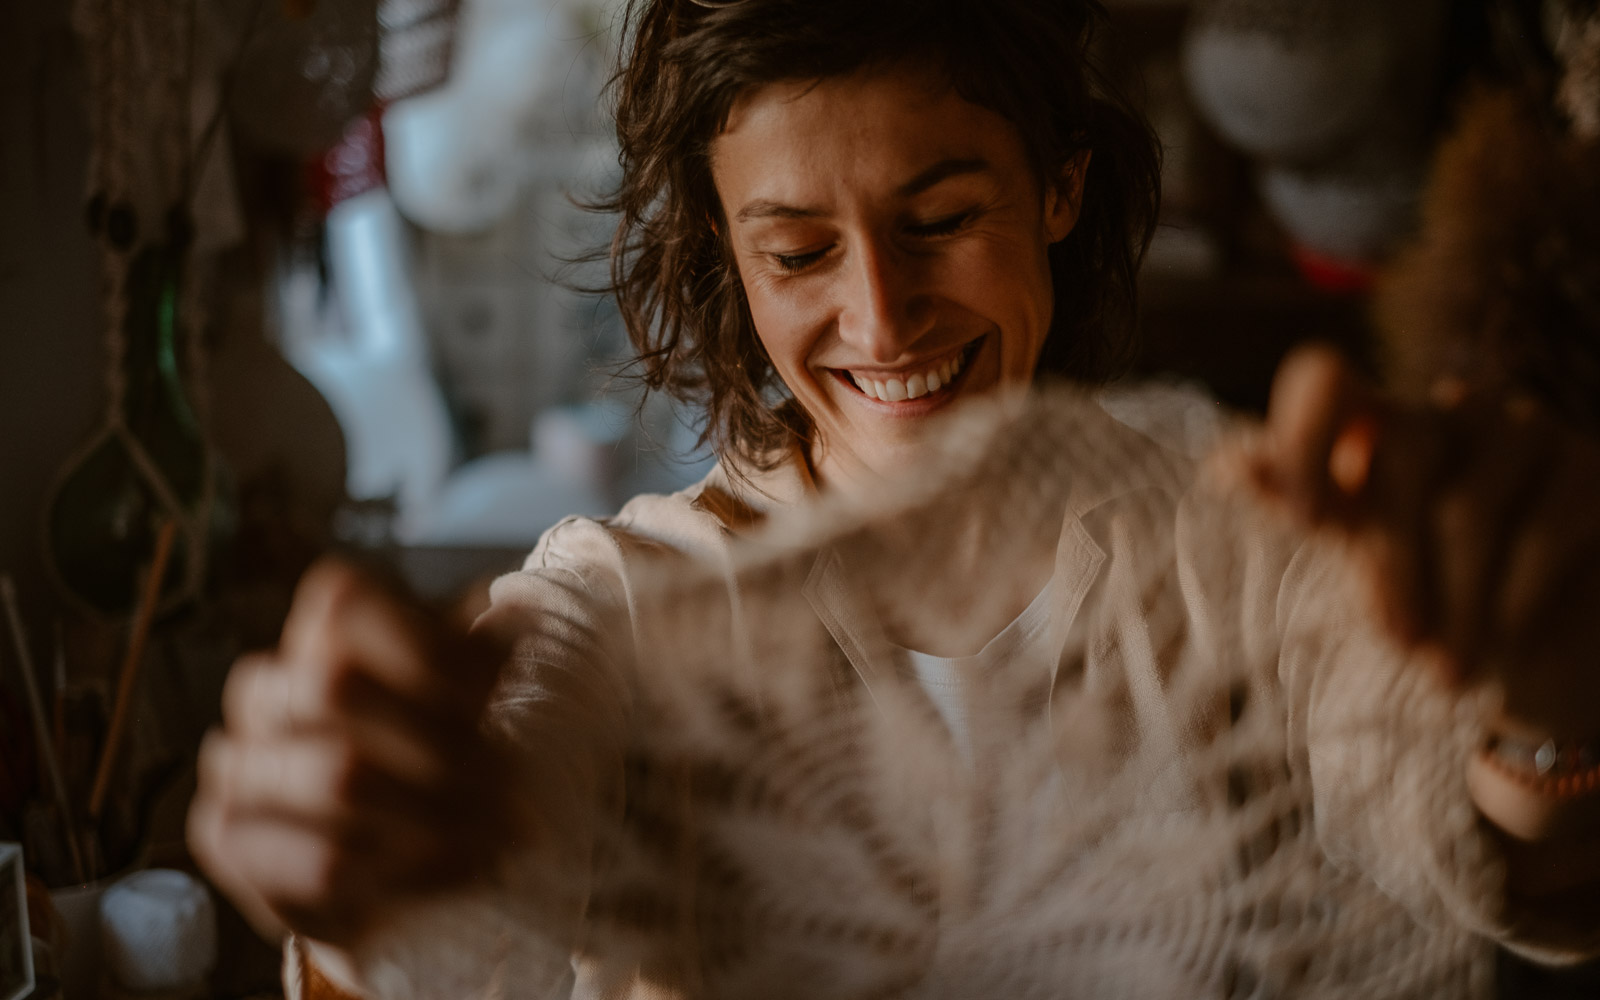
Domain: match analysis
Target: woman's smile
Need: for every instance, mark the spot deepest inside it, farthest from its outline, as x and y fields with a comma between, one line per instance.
x=915, y=388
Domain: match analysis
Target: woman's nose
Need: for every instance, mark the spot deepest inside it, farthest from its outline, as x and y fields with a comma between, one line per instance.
x=883, y=312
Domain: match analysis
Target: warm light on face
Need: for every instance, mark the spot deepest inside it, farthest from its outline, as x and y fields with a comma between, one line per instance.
x=892, y=241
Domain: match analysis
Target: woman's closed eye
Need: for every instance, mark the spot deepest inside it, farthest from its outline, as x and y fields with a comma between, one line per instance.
x=794, y=262
x=947, y=225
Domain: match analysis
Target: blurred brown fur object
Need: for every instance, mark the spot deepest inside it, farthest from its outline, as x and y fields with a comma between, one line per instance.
x=1574, y=30
x=1501, y=289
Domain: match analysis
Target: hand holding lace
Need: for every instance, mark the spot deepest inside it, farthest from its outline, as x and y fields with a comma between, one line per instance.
x=1472, y=522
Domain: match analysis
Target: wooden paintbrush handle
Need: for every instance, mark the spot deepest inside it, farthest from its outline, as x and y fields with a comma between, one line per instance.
x=143, y=616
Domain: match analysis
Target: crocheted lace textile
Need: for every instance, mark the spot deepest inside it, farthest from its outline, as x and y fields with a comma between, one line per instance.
x=1219, y=781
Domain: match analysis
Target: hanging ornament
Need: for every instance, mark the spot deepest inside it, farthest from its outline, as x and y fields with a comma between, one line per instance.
x=415, y=40
x=149, y=463
x=1295, y=81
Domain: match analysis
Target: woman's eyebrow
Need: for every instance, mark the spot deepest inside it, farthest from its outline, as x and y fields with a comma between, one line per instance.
x=763, y=208
x=943, y=170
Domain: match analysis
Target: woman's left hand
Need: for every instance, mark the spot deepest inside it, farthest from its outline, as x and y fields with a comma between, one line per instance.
x=1476, y=523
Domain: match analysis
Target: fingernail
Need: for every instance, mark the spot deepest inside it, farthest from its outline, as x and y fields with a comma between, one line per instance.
x=1350, y=459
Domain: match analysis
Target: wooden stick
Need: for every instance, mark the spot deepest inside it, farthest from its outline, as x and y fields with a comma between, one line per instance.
x=143, y=616
x=41, y=723
x=58, y=704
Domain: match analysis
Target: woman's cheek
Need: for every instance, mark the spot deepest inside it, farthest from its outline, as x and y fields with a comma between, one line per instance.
x=782, y=323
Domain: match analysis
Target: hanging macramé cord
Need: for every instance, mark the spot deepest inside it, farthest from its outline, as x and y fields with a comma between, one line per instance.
x=140, y=468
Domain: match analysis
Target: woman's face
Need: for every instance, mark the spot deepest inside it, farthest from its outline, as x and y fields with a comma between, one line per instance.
x=891, y=238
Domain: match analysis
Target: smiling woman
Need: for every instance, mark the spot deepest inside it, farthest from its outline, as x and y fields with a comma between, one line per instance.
x=981, y=142
x=1013, y=703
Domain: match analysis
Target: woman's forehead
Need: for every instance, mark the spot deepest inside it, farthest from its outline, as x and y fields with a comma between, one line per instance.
x=884, y=127
x=883, y=94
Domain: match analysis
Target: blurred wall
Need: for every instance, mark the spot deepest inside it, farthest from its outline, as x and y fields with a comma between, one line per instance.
x=50, y=348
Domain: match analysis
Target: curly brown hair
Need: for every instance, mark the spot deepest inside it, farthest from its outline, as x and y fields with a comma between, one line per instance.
x=686, y=62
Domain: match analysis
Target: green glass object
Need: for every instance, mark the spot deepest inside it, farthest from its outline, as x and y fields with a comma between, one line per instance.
x=149, y=463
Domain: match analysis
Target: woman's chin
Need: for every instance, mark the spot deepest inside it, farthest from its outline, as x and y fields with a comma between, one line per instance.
x=889, y=447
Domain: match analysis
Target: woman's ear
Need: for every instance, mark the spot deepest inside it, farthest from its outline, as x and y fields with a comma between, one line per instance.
x=1064, y=197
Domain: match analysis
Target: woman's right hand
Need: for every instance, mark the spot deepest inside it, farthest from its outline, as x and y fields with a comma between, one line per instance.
x=350, y=771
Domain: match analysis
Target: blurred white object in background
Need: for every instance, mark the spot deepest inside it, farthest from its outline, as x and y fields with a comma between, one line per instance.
x=458, y=154
x=158, y=928
x=1355, y=206
x=1289, y=80
x=1333, y=97
x=493, y=500
x=581, y=443
x=369, y=358
x=476, y=341
x=414, y=42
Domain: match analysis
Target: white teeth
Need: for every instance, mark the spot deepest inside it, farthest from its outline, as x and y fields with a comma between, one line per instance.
x=916, y=386
x=868, y=387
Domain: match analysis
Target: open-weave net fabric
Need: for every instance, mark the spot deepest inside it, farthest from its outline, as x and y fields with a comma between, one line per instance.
x=1210, y=777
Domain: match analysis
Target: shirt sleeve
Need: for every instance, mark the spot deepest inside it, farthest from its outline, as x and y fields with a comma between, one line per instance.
x=1387, y=745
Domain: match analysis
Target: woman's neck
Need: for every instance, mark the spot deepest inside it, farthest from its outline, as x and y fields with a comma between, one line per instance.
x=975, y=579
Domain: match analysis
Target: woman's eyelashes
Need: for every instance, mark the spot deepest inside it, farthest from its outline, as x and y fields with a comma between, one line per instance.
x=793, y=262
x=948, y=225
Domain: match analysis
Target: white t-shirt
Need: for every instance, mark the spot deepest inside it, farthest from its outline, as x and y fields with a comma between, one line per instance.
x=957, y=684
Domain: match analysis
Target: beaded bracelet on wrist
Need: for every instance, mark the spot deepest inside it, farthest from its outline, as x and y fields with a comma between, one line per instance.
x=1553, y=767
